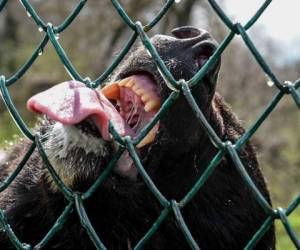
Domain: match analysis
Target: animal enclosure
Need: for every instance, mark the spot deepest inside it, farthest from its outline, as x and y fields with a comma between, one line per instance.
x=179, y=88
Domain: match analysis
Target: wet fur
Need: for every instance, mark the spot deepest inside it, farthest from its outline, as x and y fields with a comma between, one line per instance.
x=223, y=215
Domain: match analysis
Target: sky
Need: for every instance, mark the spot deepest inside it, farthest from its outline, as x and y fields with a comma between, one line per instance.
x=280, y=21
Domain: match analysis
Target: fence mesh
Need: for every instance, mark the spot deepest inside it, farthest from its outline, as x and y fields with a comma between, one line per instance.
x=178, y=88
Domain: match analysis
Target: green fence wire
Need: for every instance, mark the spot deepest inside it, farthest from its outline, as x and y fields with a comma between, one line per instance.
x=76, y=200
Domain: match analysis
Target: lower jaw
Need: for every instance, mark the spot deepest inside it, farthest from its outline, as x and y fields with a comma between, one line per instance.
x=126, y=167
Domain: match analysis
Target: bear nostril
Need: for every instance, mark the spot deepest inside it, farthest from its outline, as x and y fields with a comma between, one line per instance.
x=187, y=32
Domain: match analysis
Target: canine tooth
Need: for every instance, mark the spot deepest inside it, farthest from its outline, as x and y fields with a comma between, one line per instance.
x=145, y=98
x=124, y=81
x=150, y=105
x=130, y=83
x=140, y=92
x=135, y=88
x=111, y=91
x=148, y=138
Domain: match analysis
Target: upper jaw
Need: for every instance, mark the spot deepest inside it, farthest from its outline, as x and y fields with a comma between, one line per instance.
x=201, y=50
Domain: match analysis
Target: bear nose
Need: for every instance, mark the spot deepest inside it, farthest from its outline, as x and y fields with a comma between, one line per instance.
x=190, y=33
x=198, y=44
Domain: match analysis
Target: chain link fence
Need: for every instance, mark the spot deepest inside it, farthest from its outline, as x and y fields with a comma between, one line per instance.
x=178, y=88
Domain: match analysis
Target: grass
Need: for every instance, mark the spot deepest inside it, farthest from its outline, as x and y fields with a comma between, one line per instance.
x=283, y=240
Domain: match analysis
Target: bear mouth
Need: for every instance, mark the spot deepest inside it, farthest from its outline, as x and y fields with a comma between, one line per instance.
x=129, y=105
x=137, y=100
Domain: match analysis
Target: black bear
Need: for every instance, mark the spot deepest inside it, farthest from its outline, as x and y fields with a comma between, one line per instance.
x=75, y=133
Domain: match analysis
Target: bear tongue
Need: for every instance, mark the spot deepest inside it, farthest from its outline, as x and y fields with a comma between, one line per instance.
x=72, y=102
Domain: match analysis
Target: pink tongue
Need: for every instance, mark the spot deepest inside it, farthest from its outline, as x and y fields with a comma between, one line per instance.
x=72, y=102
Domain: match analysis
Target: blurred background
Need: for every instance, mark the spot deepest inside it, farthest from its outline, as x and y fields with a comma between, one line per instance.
x=98, y=33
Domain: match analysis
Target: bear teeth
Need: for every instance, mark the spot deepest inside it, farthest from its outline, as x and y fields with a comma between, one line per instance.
x=148, y=96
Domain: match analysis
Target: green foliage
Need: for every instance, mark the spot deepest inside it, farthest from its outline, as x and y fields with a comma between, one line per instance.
x=8, y=130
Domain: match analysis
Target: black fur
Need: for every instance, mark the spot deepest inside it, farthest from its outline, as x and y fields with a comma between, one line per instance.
x=223, y=215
